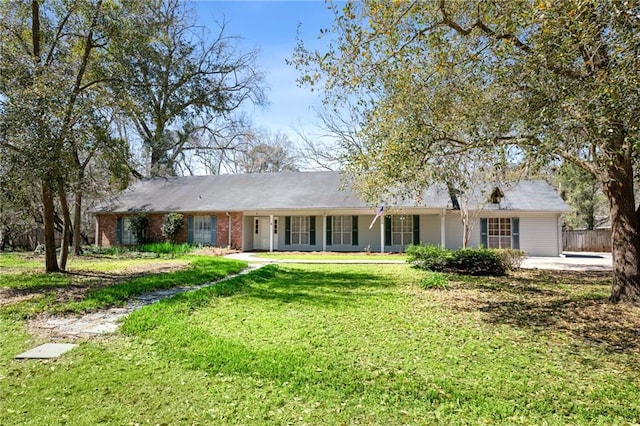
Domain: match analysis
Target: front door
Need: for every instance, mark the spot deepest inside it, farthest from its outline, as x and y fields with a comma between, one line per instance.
x=261, y=234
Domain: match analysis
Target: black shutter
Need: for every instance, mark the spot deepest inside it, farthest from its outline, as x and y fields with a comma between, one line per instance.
x=416, y=229
x=387, y=230
x=329, y=226
x=119, y=223
x=515, y=233
x=483, y=232
x=287, y=230
x=190, y=229
x=354, y=230
x=312, y=230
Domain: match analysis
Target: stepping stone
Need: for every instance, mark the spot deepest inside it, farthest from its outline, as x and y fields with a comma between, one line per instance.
x=46, y=351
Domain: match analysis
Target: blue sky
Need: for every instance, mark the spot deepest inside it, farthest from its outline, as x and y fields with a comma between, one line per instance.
x=271, y=26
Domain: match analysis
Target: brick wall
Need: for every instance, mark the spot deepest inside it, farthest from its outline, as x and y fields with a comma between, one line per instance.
x=106, y=232
x=223, y=230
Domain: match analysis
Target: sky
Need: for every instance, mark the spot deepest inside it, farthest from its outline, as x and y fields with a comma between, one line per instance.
x=271, y=27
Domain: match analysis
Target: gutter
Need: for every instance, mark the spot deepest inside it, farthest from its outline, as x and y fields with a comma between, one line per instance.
x=229, y=226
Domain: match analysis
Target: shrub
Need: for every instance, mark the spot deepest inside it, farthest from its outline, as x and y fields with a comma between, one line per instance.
x=433, y=258
x=172, y=225
x=436, y=280
x=165, y=248
x=511, y=259
x=473, y=261
x=138, y=226
x=469, y=261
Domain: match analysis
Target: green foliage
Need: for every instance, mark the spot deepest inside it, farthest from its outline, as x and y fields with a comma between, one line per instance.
x=430, y=257
x=532, y=82
x=165, y=248
x=172, y=225
x=469, y=261
x=473, y=261
x=138, y=225
x=510, y=259
x=436, y=280
x=582, y=192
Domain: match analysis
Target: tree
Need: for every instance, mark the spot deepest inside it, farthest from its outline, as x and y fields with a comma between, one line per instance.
x=270, y=153
x=45, y=59
x=52, y=75
x=182, y=87
x=557, y=80
x=581, y=191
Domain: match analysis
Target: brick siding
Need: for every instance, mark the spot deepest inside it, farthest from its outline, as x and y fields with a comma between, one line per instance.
x=106, y=231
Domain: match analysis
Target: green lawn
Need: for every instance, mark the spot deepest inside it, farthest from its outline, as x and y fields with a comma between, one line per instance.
x=98, y=282
x=346, y=344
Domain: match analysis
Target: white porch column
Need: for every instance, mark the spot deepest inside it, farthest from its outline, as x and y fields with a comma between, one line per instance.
x=97, y=240
x=324, y=231
x=270, y=233
x=560, y=240
x=443, y=237
x=381, y=234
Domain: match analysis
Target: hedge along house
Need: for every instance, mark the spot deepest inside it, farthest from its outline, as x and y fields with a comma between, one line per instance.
x=317, y=211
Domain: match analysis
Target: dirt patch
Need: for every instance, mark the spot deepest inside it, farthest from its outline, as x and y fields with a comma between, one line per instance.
x=570, y=303
x=215, y=251
x=84, y=281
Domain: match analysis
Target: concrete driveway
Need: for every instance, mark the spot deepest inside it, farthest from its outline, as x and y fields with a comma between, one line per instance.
x=572, y=261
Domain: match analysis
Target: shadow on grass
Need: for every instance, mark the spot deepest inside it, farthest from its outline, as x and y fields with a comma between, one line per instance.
x=571, y=303
x=320, y=287
x=168, y=324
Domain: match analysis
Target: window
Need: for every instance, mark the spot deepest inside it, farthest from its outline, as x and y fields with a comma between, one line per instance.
x=342, y=230
x=401, y=230
x=299, y=229
x=128, y=236
x=499, y=232
x=202, y=230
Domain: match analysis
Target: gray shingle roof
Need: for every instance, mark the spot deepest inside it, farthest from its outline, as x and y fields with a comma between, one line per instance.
x=288, y=191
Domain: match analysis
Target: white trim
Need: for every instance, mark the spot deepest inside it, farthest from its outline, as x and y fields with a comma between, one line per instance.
x=382, y=234
x=324, y=231
x=443, y=235
x=270, y=233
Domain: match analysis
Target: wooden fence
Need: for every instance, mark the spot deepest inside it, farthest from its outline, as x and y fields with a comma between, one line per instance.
x=589, y=240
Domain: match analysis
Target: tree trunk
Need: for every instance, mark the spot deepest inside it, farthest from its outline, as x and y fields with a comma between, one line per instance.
x=625, y=237
x=64, y=247
x=77, y=219
x=48, y=213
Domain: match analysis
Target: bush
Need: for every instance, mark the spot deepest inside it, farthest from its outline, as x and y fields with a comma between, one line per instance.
x=165, y=248
x=469, y=261
x=511, y=259
x=430, y=257
x=436, y=280
x=172, y=225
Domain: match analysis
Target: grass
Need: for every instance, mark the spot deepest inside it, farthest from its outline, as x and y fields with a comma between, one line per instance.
x=332, y=256
x=92, y=284
x=346, y=344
